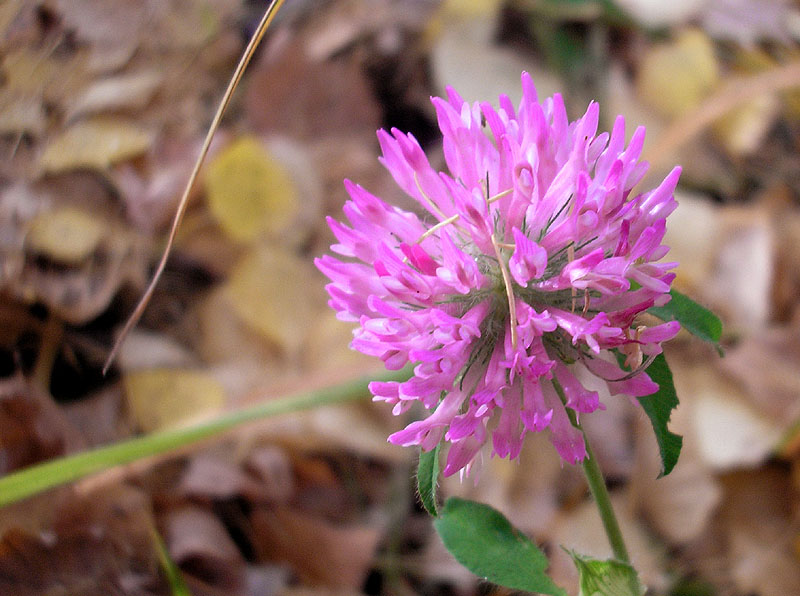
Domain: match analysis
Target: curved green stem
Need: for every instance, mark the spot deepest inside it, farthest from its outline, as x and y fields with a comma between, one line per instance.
x=35, y=479
x=597, y=486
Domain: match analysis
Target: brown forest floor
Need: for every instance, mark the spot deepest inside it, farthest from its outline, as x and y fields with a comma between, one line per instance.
x=103, y=108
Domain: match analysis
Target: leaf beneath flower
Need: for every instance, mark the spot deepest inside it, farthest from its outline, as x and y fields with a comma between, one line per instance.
x=606, y=578
x=427, y=477
x=658, y=408
x=696, y=319
x=485, y=542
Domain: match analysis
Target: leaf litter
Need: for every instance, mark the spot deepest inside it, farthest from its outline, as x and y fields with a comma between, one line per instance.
x=102, y=113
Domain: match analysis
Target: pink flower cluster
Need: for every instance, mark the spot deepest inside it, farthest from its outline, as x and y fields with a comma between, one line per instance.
x=531, y=261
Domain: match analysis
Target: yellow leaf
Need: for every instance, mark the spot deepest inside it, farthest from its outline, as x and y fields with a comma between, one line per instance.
x=67, y=235
x=249, y=192
x=471, y=8
x=675, y=76
x=162, y=398
x=96, y=143
x=274, y=292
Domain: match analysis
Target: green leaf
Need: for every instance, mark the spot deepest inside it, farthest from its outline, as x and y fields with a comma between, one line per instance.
x=658, y=408
x=606, y=578
x=485, y=542
x=696, y=319
x=427, y=477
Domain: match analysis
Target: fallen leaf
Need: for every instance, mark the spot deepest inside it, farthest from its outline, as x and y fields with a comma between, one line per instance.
x=129, y=91
x=95, y=144
x=22, y=115
x=32, y=426
x=249, y=192
x=747, y=22
x=314, y=99
x=740, y=285
x=675, y=76
x=730, y=433
x=164, y=398
x=198, y=541
x=213, y=476
x=275, y=293
x=273, y=468
x=466, y=46
x=319, y=552
x=66, y=235
x=694, y=235
x=68, y=260
x=760, y=519
x=146, y=350
x=98, y=544
x=765, y=365
x=653, y=13
x=681, y=504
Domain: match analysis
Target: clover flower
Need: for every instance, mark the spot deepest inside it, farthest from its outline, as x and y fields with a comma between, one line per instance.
x=531, y=261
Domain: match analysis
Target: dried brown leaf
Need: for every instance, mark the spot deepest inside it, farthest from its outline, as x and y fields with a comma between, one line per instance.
x=319, y=552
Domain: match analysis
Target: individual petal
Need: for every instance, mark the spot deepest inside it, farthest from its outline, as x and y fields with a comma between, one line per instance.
x=529, y=260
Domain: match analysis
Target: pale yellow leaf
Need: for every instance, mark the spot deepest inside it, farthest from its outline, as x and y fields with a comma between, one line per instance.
x=274, y=292
x=484, y=9
x=676, y=76
x=128, y=91
x=67, y=235
x=163, y=398
x=249, y=192
x=96, y=143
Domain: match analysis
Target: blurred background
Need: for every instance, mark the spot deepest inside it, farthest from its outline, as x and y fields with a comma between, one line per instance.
x=103, y=109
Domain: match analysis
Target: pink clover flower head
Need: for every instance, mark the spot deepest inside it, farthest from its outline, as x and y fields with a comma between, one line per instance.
x=528, y=261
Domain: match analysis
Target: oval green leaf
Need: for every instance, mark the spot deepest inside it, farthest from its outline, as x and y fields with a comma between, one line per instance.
x=658, y=408
x=427, y=478
x=696, y=319
x=485, y=542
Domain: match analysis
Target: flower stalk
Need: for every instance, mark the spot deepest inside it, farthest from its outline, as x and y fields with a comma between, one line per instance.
x=597, y=486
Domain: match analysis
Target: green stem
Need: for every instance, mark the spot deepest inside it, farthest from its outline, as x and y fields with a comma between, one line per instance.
x=597, y=486
x=35, y=479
